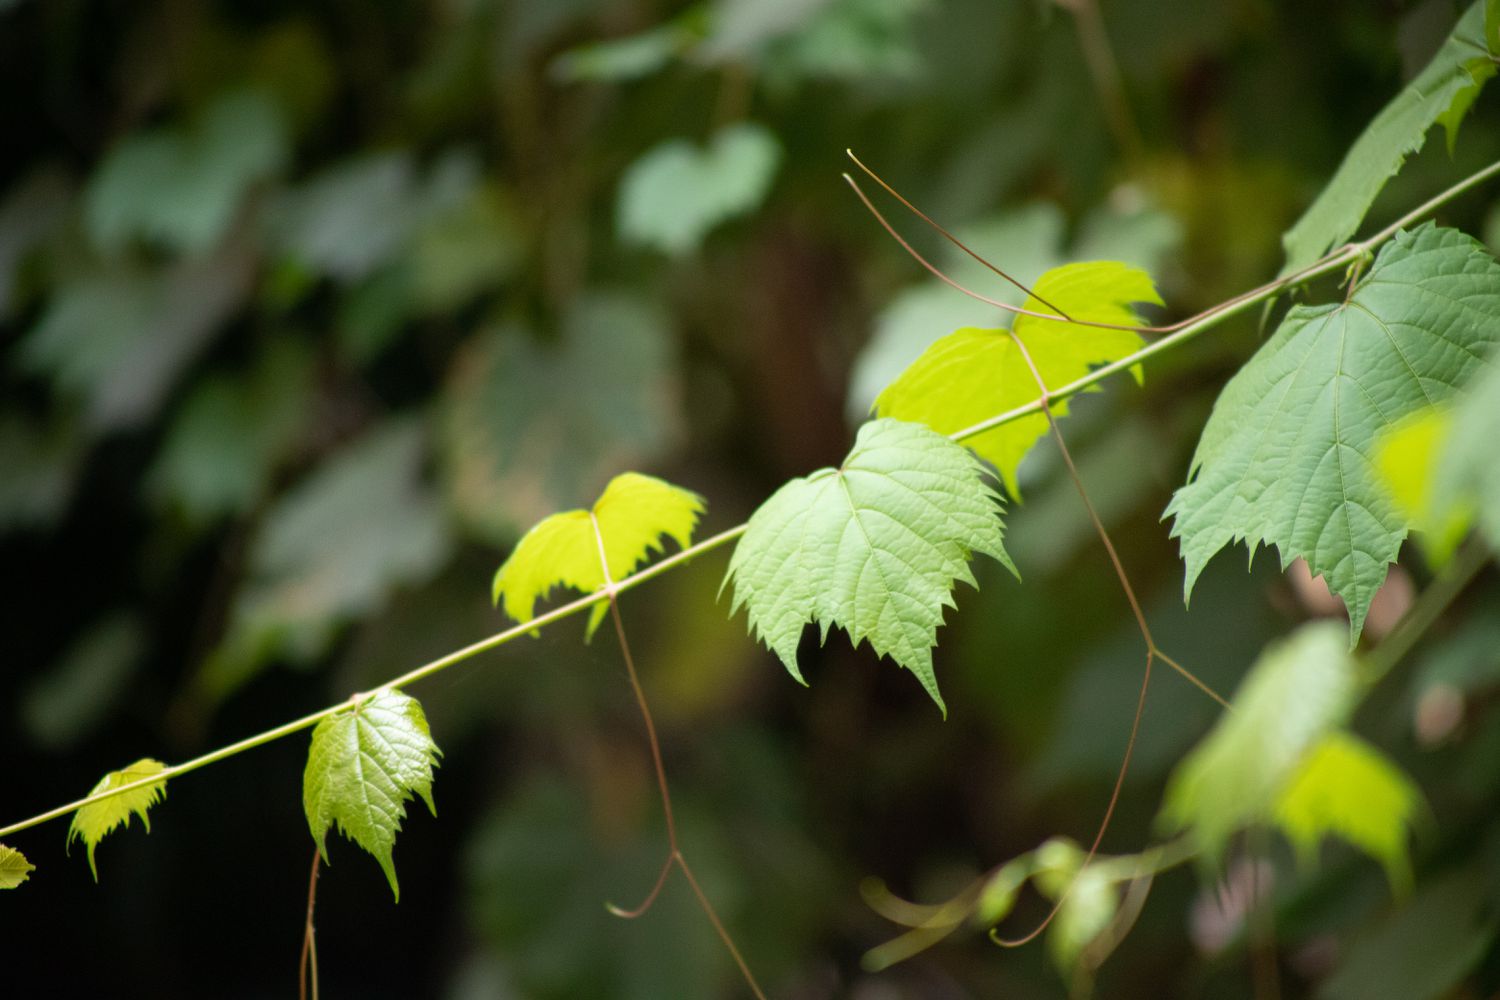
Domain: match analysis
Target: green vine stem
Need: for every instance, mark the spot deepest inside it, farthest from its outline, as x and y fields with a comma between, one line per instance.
x=1211, y=317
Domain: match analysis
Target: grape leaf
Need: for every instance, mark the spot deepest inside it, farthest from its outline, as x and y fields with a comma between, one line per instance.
x=633, y=512
x=1442, y=92
x=1287, y=456
x=1298, y=690
x=92, y=822
x=365, y=763
x=972, y=373
x=14, y=868
x=1348, y=788
x=673, y=195
x=873, y=546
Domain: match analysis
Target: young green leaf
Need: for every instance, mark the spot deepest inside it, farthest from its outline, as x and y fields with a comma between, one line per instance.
x=1442, y=92
x=633, y=513
x=93, y=821
x=14, y=868
x=1286, y=457
x=365, y=763
x=873, y=546
x=971, y=373
x=1348, y=788
x=1298, y=690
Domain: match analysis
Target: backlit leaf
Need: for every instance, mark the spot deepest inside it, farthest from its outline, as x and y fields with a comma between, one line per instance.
x=972, y=374
x=1287, y=456
x=1300, y=689
x=633, y=513
x=1407, y=455
x=673, y=195
x=14, y=868
x=365, y=763
x=1468, y=476
x=92, y=822
x=1347, y=788
x=873, y=547
x=1442, y=92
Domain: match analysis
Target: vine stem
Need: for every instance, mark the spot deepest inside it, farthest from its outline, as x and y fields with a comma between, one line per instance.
x=309, y=959
x=1183, y=332
x=674, y=849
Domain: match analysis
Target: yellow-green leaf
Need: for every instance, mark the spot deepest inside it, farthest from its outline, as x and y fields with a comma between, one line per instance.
x=562, y=550
x=1347, y=788
x=1407, y=457
x=14, y=868
x=972, y=373
x=92, y=822
x=1299, y=690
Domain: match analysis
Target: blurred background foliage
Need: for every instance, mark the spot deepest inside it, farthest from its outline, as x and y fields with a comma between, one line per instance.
x=307, y=310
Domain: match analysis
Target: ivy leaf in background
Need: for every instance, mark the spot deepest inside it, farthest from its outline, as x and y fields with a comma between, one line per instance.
x=1300, y=689
x=674, y=194
x=365, y=763
x=14, y=868
x=117, y=341
x=972, y=374
x=633, y=513
x=330, y=550
x=353, y=218
x=225, y=441
x=1348, y=788
x=1287, y=456
x=531, y=426
x=183, y=188
x=1407, y=456
x=92, y=822
x=873, y=547
x=1443, y=92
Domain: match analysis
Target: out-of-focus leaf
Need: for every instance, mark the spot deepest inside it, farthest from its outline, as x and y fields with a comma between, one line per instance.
x=29, y=213
x=118, y=341
x=1347, y=788
x=331, y=550
x=674, y=194
x=625, y=525
x=41, y=467
x=1026, y=242
x=630, y=57
x=464, y=251
x=796, y=39
x=67, y=702
x=1086, y=913
x=359, y=215
x=972, y=374
x=91, y=823
x=183, y=188
x=530, y=427
x=228, y=436
x=365, y=763
x=14, y=868
x=1424, y=949
x=1443, y=92
x=1468, y=474
x=1406, y=455
x=1286, y=458
x=875, y=547
x=1300, y=689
